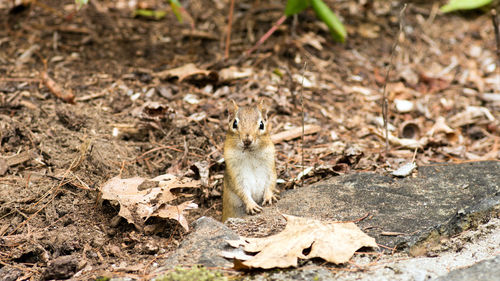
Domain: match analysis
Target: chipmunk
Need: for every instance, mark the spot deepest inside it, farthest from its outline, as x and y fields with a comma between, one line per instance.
x=250, y=176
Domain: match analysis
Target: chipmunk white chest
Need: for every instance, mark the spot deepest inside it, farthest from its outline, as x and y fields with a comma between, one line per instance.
x=253, y=176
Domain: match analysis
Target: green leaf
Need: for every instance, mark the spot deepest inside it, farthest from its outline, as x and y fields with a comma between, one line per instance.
x=324, y=13
x=278, y=72
x=454, y=5
x=150, y=14
x=296, y=6
x=176, y=8
x=80, y=3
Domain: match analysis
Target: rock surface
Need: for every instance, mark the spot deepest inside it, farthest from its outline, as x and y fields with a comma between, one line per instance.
x=483, y=271
x=442, y=200
x=416, y=214
x=203, y=245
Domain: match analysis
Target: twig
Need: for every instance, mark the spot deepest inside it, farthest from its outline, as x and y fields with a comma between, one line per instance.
x=56, y=89
x=20, y=79
x=392, y=233
x=393, y=250
x=361, y=218
x=494, y=20
x=385, y=102
x=268, y=33
x=184, y=159
x=229, y=24
x=414, y=155
x=18, y=267
x=295, y=133
x=303, y=117
x=20, y=158
x=92, y=96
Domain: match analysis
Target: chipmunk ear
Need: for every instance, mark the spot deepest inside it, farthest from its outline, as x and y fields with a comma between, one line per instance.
x=263, y=107
x=232, y=107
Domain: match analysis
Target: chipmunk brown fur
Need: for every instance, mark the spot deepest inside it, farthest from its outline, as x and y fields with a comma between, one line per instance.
x=250, y=176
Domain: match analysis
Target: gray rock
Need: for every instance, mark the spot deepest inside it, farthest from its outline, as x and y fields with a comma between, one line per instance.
x=442, y=200
x=418, y=214
x=487, y=270
x=203, y=245
x=318, y=274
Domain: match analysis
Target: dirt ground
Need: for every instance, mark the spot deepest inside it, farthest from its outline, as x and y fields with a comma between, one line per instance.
x=129, y=118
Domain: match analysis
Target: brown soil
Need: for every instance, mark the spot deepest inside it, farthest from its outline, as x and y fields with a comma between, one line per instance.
x=56, y=155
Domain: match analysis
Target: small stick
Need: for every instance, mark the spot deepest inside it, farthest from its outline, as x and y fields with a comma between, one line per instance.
x=385, y=102
x=414, y=155
x=361, y=218
x=92, y=96
x=388, y=248
x=494, y=20
x=268, y=33
x=392, y=233
x=302, y=110
x=229, y=24
x=20, y=79
x=56, y=89
x=295, y=133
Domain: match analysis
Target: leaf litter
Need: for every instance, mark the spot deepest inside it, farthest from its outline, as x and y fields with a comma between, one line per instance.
x=185, y=124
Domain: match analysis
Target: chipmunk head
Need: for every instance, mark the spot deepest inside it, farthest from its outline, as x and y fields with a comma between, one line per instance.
x=248, y=123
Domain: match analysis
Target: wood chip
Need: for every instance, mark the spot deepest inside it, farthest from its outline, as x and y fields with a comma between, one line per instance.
x=295, y=133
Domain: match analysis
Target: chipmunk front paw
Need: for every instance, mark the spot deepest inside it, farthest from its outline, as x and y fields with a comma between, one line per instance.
x=253, y=208
x=270, y=198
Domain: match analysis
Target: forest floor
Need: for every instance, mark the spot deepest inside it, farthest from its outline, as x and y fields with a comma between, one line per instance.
x=88, y=95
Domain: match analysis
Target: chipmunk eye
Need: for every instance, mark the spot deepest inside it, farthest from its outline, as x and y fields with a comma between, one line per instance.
x=261, y=126
x=235, y=124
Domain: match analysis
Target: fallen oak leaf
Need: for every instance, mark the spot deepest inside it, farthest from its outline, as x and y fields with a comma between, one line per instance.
x=139, y=200
x=170, y=181
x=134, y=205
x=176, y=212
x=335, y=242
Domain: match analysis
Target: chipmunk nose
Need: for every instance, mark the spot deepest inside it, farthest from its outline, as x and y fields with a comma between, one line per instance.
x=247, y=141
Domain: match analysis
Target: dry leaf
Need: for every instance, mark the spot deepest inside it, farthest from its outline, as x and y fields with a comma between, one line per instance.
x=404, y=170
x=358, y=90
x=335, y=242
x=176, y=212
x=370, y=31
x=203, y=171
x=233, y=73
x=440, y=127
x=313, y=40
x=403, y=106
x=406, y=143
x=182, y=72
x=153, y=111
x=140, y=198
x=471, y=115
x=199, y=34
